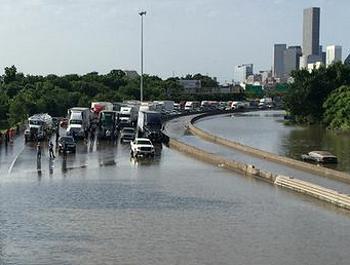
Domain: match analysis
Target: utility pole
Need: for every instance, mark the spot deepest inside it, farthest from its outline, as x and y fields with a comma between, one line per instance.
x=142, y=13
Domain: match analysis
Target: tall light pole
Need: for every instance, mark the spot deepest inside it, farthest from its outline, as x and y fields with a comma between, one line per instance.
x=142, y=13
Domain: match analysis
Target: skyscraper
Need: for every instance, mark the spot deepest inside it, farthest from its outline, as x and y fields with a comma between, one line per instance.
x=278, y=64
x=334, y=54
x=311, y=31
x=291, y=57
x=311, y=37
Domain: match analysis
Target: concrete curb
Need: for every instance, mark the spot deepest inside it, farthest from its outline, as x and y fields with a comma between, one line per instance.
x=326, y=172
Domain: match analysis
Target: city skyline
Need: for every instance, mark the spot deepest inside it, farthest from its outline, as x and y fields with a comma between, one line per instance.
x=42, y=37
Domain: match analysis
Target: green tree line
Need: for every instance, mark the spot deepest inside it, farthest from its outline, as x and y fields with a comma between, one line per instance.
x=321, y=96
x=24, y=95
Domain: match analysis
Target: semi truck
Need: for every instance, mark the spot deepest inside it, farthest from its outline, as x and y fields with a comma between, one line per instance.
x=108, y=121
x=78, y=121
x=97, y=107
x=149, y=125
x=127, y=116
x=39, y=127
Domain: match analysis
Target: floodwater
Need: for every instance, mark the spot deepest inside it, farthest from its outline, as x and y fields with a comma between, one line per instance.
x=101, y=207
x=266, y=130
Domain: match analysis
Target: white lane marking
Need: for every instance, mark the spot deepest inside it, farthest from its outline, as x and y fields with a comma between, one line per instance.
x=14, y=161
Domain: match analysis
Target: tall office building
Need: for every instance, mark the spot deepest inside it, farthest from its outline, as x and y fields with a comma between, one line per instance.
x=334, y=54
x=291, y=58
x=311, y=37
x=311, y=31
x=278, y=65
x=241, y=72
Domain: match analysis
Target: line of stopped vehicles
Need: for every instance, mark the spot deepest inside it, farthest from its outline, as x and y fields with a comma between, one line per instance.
x=129, y=121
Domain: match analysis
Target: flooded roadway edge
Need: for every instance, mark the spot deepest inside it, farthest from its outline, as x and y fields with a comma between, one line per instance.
x=290, y=183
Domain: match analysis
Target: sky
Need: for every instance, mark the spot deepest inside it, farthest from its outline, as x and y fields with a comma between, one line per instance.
x=180, y=36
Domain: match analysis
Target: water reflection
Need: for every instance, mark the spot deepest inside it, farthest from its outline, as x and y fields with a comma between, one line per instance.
x=64, y=164
x=50, y=166
x=106, y=153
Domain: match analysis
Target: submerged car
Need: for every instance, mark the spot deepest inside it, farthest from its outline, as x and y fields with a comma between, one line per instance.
x=127, y=134
x=323, y=157
x=67, y=144
x=142, y=147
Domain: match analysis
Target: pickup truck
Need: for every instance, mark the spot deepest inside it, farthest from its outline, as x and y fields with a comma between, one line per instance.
x=141, y=147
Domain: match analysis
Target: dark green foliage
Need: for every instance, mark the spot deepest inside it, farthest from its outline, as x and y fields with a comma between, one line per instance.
x=22, y=96
x=337, y=106
x=306, y=96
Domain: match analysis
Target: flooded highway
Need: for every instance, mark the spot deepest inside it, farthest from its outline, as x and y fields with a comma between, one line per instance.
x=98, y=206
x=266, y=130
x=177, y=130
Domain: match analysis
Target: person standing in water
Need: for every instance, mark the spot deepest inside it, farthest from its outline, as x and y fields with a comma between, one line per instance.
x=51, y=154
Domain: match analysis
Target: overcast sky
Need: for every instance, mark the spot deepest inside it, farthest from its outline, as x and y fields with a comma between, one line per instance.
x=181, y=36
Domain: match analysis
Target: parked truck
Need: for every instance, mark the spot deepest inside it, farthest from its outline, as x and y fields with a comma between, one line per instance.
x=192, y=105
x=78, y=121
x=127, y=116
x=40, y=126
x=108, y=121
x=97, y=107
x=149, y=125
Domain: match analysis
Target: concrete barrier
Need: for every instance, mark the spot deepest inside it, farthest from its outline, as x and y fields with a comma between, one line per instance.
x=323, y=171
x=221, y=161
x=331, y=196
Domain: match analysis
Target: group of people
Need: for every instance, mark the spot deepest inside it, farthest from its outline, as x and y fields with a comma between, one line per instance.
x=51, y=152
x=50, y=146
x=8, y=135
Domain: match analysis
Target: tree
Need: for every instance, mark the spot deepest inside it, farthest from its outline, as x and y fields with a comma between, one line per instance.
x=309, y=91
x=10, y=74
x=337, y=109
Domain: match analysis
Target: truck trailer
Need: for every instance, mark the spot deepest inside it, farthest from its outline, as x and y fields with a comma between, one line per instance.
x=149, y=125
x=108, y=121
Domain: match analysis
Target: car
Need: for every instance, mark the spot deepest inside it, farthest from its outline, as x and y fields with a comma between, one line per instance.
x=67, y=144
x=324, y=157
x=127, y=134
x=142, y=147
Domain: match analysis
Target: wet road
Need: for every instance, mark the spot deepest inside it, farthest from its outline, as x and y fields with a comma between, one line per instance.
x=100, y=207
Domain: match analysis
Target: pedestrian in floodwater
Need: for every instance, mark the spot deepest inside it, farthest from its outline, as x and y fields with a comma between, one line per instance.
x=57, y=134
x=51, y=154
x=74, y=136
x=38, y=151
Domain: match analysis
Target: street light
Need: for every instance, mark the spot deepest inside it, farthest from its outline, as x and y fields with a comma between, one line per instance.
x=142, y=13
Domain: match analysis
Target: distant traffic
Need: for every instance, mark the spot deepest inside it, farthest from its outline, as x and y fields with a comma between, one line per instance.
x=128, y=121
